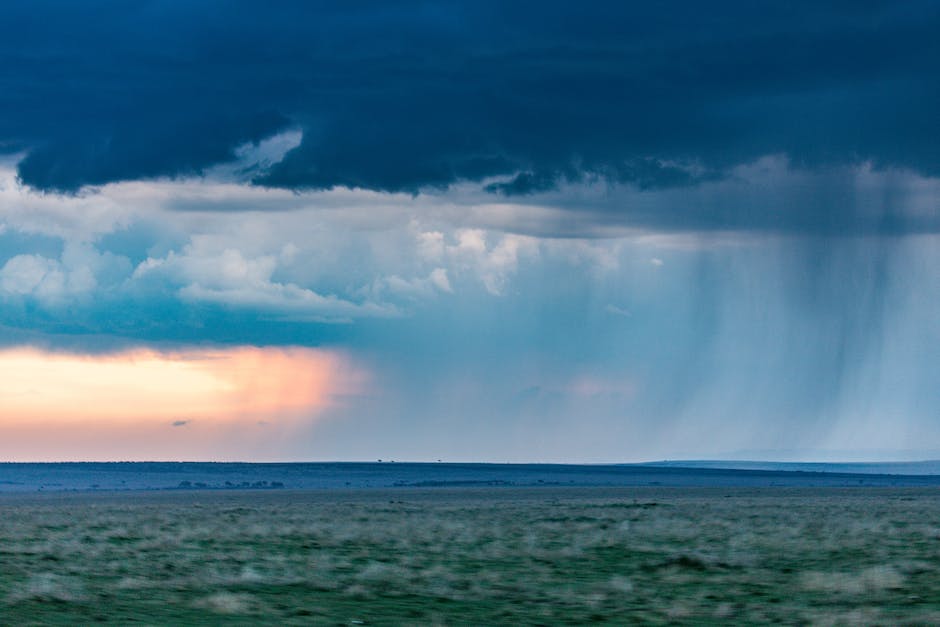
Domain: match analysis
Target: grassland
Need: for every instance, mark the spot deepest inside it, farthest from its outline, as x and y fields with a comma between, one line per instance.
x=496, y=556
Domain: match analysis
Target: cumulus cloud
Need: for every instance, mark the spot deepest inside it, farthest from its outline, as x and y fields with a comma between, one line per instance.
x=80, y=271
x=228, y=277
x=493, y=263
x=418, y=288
x=164, y=257
x=431, y=245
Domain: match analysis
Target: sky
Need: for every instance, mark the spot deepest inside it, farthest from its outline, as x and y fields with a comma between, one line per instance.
x=469, y=231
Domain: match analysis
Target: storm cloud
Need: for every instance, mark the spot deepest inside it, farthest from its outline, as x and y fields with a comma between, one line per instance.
x=522, y=97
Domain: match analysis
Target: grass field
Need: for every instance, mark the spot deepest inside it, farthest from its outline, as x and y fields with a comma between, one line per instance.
x=473, y=556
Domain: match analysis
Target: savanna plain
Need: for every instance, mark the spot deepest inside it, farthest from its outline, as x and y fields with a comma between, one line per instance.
x=503, y=555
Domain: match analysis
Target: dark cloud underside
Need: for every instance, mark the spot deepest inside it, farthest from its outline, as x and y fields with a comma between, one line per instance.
x=409, y=95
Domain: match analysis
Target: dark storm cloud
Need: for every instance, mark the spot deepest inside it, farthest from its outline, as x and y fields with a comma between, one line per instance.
x=411, y=95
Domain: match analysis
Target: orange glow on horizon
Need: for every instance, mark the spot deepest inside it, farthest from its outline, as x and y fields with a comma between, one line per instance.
x=146, y=404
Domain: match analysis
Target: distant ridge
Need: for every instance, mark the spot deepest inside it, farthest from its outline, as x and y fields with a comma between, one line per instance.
x=134, y=476
x=926, y=467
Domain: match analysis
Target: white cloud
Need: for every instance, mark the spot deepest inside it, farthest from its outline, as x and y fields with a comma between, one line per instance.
x=79, y=272
x=83, y=217
x=253, y=159
x=289, y=299
x=438, y=279
x=418, y=288
x=27, y=274
x=431, y=245
x=353, y=253
x=229, y=277
x=493, y=265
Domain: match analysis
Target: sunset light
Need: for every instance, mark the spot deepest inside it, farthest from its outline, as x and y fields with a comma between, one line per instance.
x=73, y=402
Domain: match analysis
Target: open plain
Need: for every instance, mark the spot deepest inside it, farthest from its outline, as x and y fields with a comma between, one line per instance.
x=473, y=555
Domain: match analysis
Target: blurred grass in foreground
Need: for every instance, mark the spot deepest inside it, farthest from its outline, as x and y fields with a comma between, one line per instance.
x=473, y=556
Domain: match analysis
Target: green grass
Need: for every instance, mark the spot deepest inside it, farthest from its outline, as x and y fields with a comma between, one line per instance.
x=503, y=555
